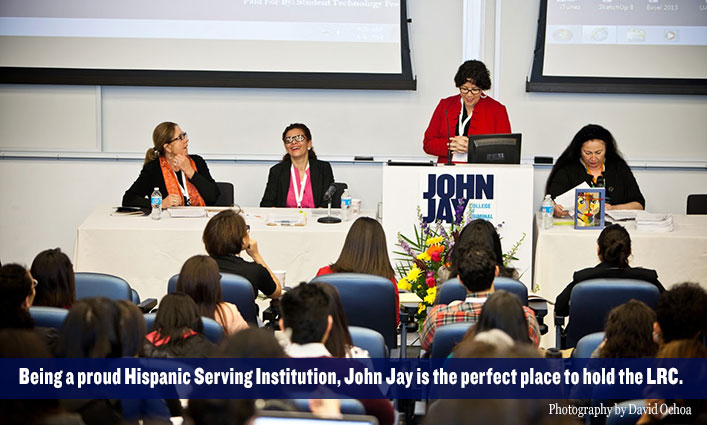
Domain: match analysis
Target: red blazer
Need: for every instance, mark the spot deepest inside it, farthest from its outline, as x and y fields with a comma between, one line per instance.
x=489, y=117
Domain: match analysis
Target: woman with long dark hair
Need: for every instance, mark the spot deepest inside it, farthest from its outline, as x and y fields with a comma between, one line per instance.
x=201, y=280
x=594, y=158
x=481, y=233
x=339, y=342
x=614, y=250
x=300, y=179
x=16, y=297
x=55, y=279
x=365, y=251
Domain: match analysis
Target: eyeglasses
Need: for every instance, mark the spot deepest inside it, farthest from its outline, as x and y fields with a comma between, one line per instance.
x=474, y=91
x=180, y=137
x=34, y=283
x=292, y=139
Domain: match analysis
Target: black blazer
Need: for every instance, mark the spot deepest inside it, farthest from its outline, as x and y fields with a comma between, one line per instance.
x=603, y=271
x=279, y=183
x=151, y=176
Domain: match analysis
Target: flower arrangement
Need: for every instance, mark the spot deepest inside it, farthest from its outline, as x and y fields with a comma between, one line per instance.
x=426, y=258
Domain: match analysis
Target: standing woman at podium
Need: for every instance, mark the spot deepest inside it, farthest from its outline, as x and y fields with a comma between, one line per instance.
x=300, y=179
x=467, y=113
x=183, y=179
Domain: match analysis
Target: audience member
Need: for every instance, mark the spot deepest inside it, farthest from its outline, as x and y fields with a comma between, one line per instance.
x=251, y=343
x=55, y=279
x=225, y=236
x=614, y=250
x=628, y=332
x=339, y=342
x=482, y=234
x=681, y=313
x=220, y=412
x=201, y=280
x=177, y=330
x=365, y=251
x=477, y=269
x=17, y=289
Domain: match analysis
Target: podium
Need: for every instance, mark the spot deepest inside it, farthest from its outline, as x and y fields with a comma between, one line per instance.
x=502, y=194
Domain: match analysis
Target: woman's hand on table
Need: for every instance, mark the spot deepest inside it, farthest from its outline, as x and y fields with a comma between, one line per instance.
x=560, y=211
x=171, y=201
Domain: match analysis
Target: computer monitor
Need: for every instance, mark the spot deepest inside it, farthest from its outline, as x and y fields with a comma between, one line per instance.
x=494, y=149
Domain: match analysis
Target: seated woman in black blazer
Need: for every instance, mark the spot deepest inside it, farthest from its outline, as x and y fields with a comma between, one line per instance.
x=300, y=179
x=613, y=248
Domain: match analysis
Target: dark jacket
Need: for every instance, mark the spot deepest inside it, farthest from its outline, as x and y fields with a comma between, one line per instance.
x=197, y=346
x=279, y=183
x=603, y=271
x=151, y=177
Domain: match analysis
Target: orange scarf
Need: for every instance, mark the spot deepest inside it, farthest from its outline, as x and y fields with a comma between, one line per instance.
x=173, y=188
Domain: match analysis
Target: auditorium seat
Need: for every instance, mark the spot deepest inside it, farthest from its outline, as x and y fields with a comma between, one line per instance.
x=226, y=195
x=48, y=317
x=89, y=285
x=697, y=204
x=453, y=290
x=369, y=340
x=587, y=344
x=446, y=337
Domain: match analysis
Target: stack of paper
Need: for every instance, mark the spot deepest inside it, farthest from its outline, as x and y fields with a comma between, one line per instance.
x=648, y=222
x=186, y=212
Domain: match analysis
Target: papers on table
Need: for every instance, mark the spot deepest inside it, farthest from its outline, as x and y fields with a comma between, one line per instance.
x=186, y=212
x=297, y=219
x=649, y=222
x=621, y=215
x=567, y=199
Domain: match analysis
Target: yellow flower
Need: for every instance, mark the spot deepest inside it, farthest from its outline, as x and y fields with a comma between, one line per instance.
x=434, y=241
x=424, y=256
x=404, y=285
x=413, y=274
x=431, y=295
x=421, y=308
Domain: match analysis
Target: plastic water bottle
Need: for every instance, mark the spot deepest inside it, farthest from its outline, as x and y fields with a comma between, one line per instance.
x=546, y=210
x=156, y=202
x=346, y=205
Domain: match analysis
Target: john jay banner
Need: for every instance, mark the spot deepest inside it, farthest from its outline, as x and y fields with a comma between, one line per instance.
x=501, y=194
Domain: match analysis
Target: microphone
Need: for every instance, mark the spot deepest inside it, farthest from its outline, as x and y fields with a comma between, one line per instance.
x=329, y=193
x=449, y=146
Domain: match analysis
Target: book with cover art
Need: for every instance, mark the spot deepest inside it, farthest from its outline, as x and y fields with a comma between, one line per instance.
x=589, y=208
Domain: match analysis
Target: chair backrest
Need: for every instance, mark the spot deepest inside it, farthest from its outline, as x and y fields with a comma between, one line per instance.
x=629, y=413
x=48, y=317
x=90, y=285
x=591, y=301
x=226, y=197
x=336, y=198
x=587, y=344
x=446, y=337
x=369, y=302
x=453, y=290
x=369, y=340
x=135, y=296
x=235, y=290
x=212, y=329
x=697, y=204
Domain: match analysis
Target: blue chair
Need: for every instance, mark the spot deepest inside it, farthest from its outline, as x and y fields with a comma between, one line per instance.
x=212, y=329
x=135, y=296
x=587, y=344
x=453, y=290
x=370, y=340
x=591, y=301
x=235, y=290
x=89, y=285
x=349, y=406
x=631, y=416
x=446, y=337
x=48, y=317
x=369, y=302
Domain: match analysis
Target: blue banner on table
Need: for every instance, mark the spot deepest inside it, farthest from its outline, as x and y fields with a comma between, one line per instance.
x=341, y=378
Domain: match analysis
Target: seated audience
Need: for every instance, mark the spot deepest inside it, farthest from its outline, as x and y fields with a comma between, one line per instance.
x=200, y=279
x=629, y=332
x=300, y=179
x=502, y=311
x=178, y=330
x=477, y=269
x=339, y=342
x=480, y=233
x=182, y=179
x=614, y=250
x=251, y=343
x=17, y=289
x=365, y=251
x=55, y=279
x=593, y=158
x=225, y=236
x=681, y=313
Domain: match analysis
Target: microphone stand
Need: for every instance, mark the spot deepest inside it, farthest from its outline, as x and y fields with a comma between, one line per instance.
x=449, y=147
x=329, y=218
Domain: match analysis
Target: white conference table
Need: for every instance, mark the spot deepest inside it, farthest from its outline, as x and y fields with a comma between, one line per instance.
x=677, y=256
x=148, y=252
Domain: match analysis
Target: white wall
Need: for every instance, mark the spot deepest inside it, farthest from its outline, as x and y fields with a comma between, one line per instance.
x=44, y=200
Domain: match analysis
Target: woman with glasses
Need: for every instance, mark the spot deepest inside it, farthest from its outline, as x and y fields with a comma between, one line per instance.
x=300, y=179
x=593, y=157
x=226, y=235
x=183, y=179
x=468, y=113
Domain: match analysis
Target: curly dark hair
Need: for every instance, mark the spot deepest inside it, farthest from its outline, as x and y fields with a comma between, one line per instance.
x=681, y=312
x=475, y=72
x=629, y=332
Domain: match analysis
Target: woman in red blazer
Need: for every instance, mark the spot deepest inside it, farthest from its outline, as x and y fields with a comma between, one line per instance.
x=469, y=112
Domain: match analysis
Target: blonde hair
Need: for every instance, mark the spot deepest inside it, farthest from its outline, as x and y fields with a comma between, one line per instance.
x=161, y=135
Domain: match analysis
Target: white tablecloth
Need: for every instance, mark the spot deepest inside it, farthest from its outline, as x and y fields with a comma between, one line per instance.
x=677, y=256
x=147, y=252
